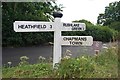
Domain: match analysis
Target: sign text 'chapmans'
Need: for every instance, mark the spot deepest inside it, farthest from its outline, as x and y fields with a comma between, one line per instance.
x=77, y=40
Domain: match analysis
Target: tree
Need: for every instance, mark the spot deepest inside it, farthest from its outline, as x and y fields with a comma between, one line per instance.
x=111, y=16
x=25, y=11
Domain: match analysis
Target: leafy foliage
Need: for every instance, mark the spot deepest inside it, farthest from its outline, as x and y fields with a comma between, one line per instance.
x=111, y=16
x=98, y=32
x=26, y=11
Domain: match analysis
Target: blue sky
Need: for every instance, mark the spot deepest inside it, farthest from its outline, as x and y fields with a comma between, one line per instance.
x=83, y=9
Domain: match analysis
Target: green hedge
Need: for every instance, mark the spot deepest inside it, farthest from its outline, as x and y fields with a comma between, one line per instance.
x=99, y=33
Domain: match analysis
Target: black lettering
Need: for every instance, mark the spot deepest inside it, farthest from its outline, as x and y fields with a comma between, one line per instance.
x=20, y=26
x=38, y=26
x=79, y=28
x=73, y=28
x=76, y=25
x=26, y=26
x=44, y=26
x=71, y=43
x=64, y=24
x=50, y=26
x=64, y=38
x=69, y=38
x=67, y=24
x=32, y=26
x=75, y=43
x=83, y=39
x=41, y=26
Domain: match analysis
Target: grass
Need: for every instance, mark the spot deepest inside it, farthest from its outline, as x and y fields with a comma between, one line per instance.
x=104, y=65
x=28, y=71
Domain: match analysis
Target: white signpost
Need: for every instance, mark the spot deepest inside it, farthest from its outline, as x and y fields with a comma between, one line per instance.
x=57, y=26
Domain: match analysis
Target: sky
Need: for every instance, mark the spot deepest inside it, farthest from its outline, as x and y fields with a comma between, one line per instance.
x=83, y=9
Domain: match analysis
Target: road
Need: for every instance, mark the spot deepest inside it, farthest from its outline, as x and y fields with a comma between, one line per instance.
x=13, y=54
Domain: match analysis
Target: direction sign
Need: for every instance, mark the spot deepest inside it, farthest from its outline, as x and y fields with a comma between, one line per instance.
x=57, y=26
x=73, y=27
x=77, y=40
x=33, y=26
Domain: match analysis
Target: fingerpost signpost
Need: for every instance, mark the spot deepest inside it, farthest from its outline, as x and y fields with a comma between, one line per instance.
x=57, y=26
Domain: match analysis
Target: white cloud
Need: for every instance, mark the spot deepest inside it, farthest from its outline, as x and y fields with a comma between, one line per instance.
x=83, y=9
